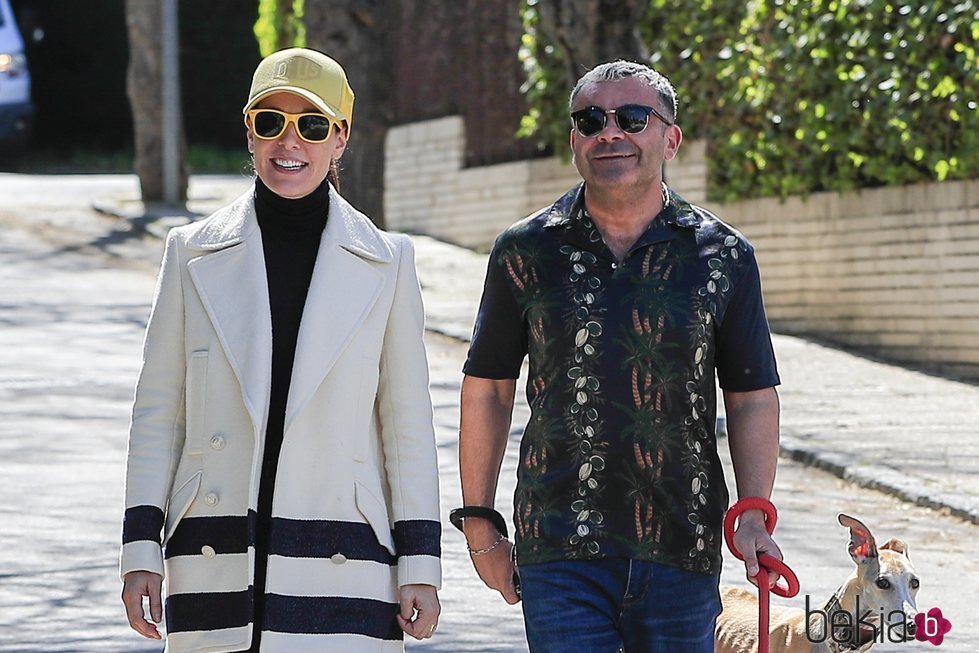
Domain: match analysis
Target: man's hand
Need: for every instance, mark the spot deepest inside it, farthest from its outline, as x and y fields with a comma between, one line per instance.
x=494, y=567
x=136, y=585
x=751, y=538
x=419, y=610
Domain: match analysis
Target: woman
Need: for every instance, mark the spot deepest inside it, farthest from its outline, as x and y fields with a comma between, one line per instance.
x=282, y=435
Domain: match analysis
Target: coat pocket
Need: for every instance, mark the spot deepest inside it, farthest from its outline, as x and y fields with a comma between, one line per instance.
x=196, y=399
x=180, y=501
x=376, y=515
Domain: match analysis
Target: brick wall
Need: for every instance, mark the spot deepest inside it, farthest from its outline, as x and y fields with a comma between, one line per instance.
x=892, y=272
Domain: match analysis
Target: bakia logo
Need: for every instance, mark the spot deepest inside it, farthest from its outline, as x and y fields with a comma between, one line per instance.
x=931, y=627
x=296, y=68
x=844, y=627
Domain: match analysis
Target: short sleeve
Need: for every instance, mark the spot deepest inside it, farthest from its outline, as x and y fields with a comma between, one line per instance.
x=499, y=341
x=745, y=358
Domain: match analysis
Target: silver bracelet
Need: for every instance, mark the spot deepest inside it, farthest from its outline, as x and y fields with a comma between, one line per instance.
x=479, y=552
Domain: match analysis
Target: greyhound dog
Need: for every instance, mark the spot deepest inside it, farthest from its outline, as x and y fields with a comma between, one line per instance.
x=875, y=604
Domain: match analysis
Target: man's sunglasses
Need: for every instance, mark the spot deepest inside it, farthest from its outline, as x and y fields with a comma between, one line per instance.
x=269, y=124
x=631, y=118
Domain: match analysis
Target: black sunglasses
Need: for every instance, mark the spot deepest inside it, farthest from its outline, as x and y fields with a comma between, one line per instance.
x=269, y=124
x=631, y=118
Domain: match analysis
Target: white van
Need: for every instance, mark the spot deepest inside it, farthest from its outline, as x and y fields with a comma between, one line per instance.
x=16, y=109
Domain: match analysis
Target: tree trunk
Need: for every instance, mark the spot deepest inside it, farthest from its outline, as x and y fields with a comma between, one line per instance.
x=144, y=85
x=590, y=32
x=357, y=33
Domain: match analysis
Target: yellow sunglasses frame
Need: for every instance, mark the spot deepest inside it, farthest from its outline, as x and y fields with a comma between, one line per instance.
x=293, y=119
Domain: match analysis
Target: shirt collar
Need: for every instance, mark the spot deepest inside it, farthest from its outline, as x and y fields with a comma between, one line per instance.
x=569, y=213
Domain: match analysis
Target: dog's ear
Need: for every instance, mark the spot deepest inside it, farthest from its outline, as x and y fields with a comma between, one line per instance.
x=896, y=545
x=862, y=545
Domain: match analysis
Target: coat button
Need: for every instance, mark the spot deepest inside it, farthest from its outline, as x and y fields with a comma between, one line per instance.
x=207, y=551
x=211, y=499
x=338, y=558
x=217, y=442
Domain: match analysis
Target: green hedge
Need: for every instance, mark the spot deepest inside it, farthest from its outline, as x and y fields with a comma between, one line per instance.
x=801, y=96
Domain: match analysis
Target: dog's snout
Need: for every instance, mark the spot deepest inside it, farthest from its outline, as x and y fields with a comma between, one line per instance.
x=910, y=627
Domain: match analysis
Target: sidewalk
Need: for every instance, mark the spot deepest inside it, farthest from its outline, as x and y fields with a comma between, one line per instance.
x=903, y=432
x=76, y=289
x=881, y=426
x=76, y=286
x=884, y=427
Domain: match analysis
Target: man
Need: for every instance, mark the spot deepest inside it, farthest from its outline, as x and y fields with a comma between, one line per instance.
x=627, y=299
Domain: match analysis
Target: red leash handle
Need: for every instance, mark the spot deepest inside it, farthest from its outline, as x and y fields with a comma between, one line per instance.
x=766, y=562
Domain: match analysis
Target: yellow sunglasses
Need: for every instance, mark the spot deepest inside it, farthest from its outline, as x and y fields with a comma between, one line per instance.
x=269, y=124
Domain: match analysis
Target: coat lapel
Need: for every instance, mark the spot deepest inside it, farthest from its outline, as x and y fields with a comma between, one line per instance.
x=231, y=282
x=344, y=288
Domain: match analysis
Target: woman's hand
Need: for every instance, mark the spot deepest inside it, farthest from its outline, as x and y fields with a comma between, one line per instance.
x=136, y=585
x=419, y=610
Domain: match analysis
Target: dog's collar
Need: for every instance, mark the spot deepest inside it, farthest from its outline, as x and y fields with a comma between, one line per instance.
x=833, y=605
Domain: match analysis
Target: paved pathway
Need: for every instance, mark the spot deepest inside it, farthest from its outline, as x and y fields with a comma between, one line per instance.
x=886, y=427
x=75, y=288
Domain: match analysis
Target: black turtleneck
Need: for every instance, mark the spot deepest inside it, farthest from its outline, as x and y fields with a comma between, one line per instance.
x=291, y=231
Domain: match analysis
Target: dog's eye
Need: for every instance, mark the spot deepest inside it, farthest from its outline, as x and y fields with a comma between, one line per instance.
x=883, y=583
x=915, y=583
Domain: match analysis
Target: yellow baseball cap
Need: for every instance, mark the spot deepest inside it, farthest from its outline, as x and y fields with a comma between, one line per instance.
x=307, y=73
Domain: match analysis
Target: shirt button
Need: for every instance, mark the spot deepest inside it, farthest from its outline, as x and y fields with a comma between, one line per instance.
x=207, y=551
x=217, y=442
x=338, y=558
x=211, y=499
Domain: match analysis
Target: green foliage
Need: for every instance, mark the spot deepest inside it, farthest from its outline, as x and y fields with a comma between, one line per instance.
x=547, y=119
x=202, y=159
x=797, y=96
x=209, y=159
x=280, y=25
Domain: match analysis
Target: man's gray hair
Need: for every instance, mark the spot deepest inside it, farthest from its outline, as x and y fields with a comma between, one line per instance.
x=614, y=71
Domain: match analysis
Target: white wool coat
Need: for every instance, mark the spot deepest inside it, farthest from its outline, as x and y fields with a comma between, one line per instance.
x=356, y=510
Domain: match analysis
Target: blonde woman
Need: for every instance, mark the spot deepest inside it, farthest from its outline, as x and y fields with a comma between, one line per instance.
x=282, y=472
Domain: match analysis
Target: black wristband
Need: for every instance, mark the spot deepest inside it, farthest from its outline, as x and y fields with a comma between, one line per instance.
x=482, y=512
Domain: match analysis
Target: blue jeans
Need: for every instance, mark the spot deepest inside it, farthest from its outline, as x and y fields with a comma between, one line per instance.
x=618, y=605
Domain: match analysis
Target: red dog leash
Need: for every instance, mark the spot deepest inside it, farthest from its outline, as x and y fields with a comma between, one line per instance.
x=766, y=562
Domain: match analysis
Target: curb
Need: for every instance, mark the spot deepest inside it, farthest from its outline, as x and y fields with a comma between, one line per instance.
x=878, y=477
x=881, y=478
x=157, y=220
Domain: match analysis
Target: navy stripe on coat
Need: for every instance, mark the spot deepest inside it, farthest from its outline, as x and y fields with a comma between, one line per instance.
x=223, y=534
x=323, y=615
x=318, y=538
x=318, y=615
x=142, y=523
x=416, y=537
x=208, y=611
x=299, y=538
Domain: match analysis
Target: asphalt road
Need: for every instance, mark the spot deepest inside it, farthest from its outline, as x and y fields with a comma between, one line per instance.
x=74, y=293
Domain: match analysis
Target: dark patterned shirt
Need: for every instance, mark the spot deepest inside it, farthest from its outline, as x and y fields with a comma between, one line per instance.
x=619, y=458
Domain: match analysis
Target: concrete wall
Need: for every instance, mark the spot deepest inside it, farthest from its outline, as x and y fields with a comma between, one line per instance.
x=890, y=271
x=427, y=190
x=893, y=272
